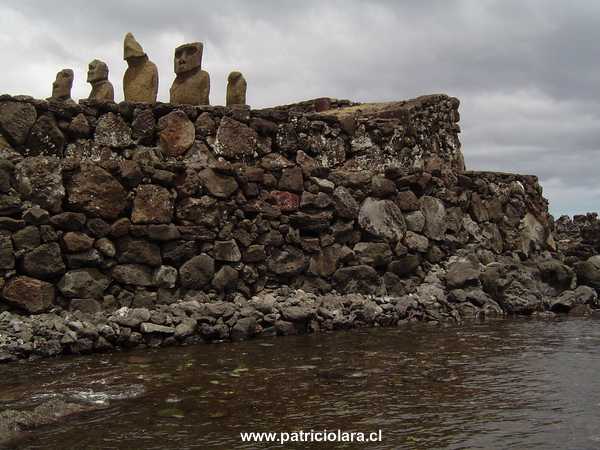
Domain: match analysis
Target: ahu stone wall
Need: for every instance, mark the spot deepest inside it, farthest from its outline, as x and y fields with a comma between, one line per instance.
x=110, y=205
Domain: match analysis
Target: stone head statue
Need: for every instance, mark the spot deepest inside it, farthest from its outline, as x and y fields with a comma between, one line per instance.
x=140, y=82
x=97, y=76
x=61, y=88
x=192, y=84
x=132, y=48
x=236, y=89
x=97, y=71
x=188, y=57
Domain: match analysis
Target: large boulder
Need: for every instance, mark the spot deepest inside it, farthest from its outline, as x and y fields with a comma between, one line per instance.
x=39, y=179
x=45, y=138
x=44, y=262
x=32, y=295
x=176, y=133
x=83, y=283
x=345, y=204
x=96, y=192
x=463, y=272
x=227, y=251
x=435, y=217
x=112, y=131
x=221, y=186
x=287, y=262
x=133, y=274
x=235, y=141
x=382, y=218
x=354, y=279
x=588, y=272
x=326, y=262
x=138, y=251
x=376, y=254
x=197, y=272
x=152, y=204
x=16, y=119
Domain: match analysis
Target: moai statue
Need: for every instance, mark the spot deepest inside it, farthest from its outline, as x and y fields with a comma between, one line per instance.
x=97, y=76
x=140, y=82
x=61, y=88
x=192, y=84
x=236, y=89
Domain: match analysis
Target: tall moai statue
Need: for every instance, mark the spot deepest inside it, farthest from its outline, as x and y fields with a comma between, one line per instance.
x=192, y=84
x=236, y=89
x=140, y=82
x=97, y=76
x=61, y=88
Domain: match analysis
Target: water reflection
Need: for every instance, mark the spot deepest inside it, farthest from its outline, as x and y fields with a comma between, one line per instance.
x=505, y=384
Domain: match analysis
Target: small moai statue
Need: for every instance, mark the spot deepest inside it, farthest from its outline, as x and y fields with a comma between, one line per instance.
x=61, y=88
x=97, y=76
x=192, y=84
x=140, y=82
x=236, y=89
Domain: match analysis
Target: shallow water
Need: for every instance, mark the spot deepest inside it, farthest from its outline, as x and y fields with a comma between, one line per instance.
x=505, y=384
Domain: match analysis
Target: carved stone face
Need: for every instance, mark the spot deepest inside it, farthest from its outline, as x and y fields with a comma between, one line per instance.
x=61, y=88
x=188, y=57
x=97, y=71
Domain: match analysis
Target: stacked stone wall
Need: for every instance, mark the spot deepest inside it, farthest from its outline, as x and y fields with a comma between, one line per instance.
x=107, y=205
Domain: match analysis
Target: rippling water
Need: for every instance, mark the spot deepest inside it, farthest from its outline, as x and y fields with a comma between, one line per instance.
x=522, y=384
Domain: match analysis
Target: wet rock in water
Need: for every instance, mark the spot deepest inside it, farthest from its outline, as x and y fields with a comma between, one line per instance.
x=583, y=295
x=32, y=295
x=14, y=422
x=244, y=328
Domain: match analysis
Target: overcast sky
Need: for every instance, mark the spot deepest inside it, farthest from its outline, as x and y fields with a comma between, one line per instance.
x=527, y=71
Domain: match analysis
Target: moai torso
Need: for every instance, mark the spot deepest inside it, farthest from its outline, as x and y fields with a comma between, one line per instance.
x=236, y=89
x=192, y=84
x=191, y=88
x=102, y=91
x=140, y=82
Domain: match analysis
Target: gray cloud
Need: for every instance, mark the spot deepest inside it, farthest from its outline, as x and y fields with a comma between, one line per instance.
x=527, y=72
